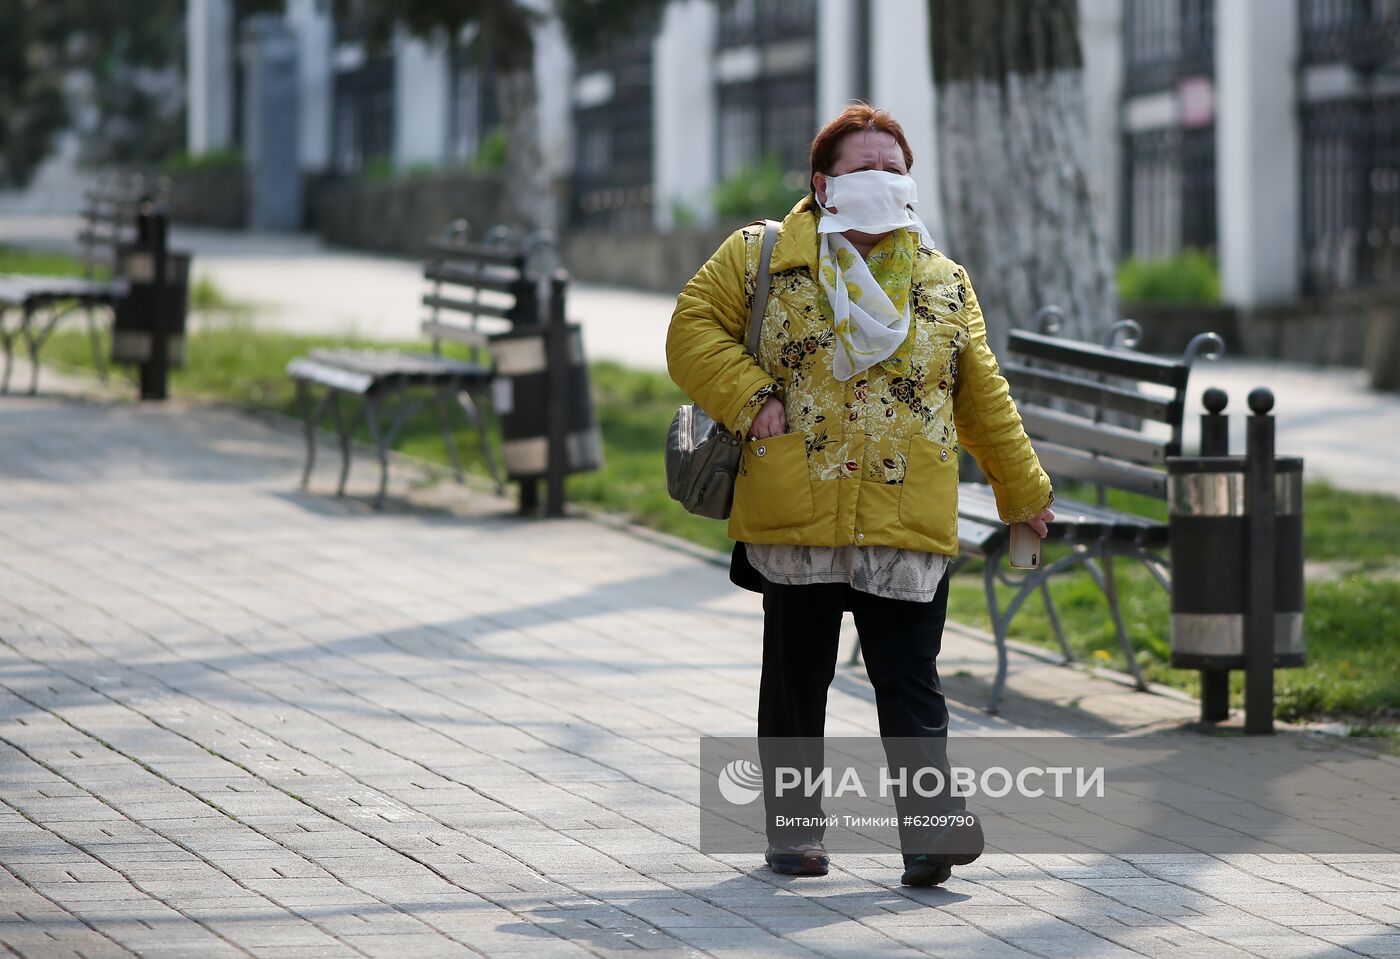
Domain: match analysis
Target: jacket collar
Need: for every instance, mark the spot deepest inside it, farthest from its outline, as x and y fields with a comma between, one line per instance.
x=798, y=243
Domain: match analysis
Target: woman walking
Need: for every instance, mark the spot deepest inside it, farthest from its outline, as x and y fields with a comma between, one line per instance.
x=873, y=370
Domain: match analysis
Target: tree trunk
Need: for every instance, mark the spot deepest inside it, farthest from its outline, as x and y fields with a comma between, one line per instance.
x=1011, y=126
x=529, y=192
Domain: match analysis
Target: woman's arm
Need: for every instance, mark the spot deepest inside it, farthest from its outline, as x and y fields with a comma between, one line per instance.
x=989, y=427
x=705, y=352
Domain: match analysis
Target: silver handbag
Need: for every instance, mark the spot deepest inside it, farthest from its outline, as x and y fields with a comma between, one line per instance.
x=702, y=457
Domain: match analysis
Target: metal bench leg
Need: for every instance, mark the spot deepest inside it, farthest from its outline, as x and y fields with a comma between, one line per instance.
x=342, y=433
x=99, y=361
x=380, y=447
x=304, y=407
x=7, y=341
x=440, y=403
x=473, y=409
x=33, y=343
x=1108, y=584
x=1055, y=621
x=999, y=627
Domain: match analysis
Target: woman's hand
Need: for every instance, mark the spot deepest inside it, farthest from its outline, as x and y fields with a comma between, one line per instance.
x=771, y=419
x=1037, y=523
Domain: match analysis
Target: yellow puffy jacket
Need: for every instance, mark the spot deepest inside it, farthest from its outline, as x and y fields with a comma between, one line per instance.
x=871, y=461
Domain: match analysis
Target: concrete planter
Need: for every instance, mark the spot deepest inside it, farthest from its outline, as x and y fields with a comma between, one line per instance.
x=1383, y=345
x=658, y=262
x=216, y=197
x=398, y=216
x=1168, y=327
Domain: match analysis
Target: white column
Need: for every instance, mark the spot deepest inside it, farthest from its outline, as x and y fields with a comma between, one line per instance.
x=420, y=101
x=1257, y=143
x=315, y=35
x=836, y=56
x=901, y=81
x=208, y=24
x=1101, y=40
x=684, y=111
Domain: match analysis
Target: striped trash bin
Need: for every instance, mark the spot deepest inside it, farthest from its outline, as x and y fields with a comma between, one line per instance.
x=1210, y=561
x=520, y=395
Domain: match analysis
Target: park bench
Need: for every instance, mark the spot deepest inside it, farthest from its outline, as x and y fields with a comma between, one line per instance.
x=37, y=304
x=1104, y=416
x=466, y=283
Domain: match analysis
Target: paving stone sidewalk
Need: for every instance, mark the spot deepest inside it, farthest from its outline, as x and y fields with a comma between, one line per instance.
x=240, y=720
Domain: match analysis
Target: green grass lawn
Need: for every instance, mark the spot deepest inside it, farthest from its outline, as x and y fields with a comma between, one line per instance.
x=1353, y=605
x=14, y=260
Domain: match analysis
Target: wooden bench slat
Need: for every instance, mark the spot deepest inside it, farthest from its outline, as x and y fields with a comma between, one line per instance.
x=455, y=334
x=1051, y=383
x=19, y=290
x=462, y=275
x=1099, y=359
x=979, y=538
x=478, y=251
x=332, y=376
x=1076, y=464
x=468, y=306
x=1116, y=441
x=1075, y=520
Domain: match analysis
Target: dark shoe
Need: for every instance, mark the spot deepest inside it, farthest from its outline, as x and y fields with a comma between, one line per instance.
x=804, y=859
x=964, y=843
x=957, y=844
x=925, y=870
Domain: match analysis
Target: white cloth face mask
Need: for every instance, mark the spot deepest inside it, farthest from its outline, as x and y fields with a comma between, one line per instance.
x=871, y=201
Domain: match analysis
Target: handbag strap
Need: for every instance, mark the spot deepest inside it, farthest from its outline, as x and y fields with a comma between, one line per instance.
x=760, y=287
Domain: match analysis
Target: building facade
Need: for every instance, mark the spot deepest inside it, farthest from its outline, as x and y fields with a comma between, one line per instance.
x=1266, y=132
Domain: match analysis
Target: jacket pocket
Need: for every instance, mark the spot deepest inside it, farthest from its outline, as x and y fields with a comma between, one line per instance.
x=928, y=500
x=774, y=489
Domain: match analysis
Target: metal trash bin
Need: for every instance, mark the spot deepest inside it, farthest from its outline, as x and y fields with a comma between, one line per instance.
x=137, y=312
x=1210, y=562
x=520, y=396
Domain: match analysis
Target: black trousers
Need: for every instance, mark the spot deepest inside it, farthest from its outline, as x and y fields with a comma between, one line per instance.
x=900, y=641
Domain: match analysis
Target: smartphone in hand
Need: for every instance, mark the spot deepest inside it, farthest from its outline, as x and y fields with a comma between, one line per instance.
x=1025, y=546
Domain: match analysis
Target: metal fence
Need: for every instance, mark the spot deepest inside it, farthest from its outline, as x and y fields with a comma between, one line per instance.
x=1168, y=191
x=1365, y=33
x=1166, y=40
x=1351, y=193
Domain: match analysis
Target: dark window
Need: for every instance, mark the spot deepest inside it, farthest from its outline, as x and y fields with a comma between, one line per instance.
x=1168, y=191
x=364, y=114
x=1166, y=40
x=613, y=170
x=773, y=112
x=1351, y=193
x=1365, y=33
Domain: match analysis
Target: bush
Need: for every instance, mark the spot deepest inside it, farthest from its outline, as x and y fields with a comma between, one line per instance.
x=491, y=153
x=1188, y=277
x=229, y=158
x=759, y=190
x=379, y=169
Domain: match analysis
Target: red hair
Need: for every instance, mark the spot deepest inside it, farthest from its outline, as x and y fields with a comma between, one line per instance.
x=855, y=118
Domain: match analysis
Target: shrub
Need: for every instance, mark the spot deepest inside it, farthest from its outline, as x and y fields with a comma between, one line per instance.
x=228, y=158
x=1188, y=277
x=761, y=189
x=491, y=152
